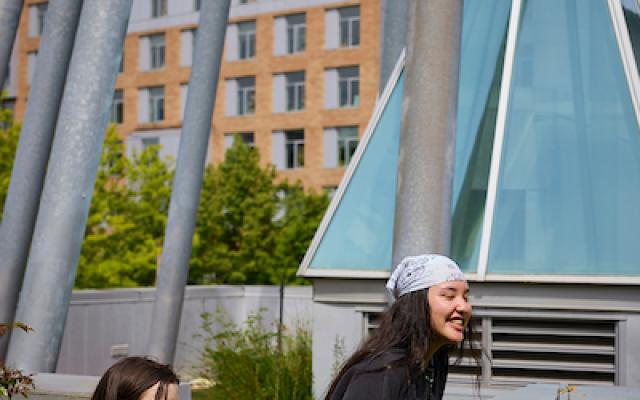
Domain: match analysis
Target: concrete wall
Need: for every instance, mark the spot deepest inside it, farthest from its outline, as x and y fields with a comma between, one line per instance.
x=106, y=325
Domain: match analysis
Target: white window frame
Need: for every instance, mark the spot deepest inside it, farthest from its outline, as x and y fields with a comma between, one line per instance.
x=246, y=96
x=156, y=51
x=295, y=147
x=246, y=40
x=296, y=36
x=294, y=91
x=159, y=8
x=156, y=104
x=350, y=85
x=349, y=22
x=117, y=107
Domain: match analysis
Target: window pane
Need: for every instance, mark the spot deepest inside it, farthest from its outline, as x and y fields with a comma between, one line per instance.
x=300, y=155
x=355, y=93
x=302, y=38
x=344, y=33
x=568, y=193
x=344, y=93
x=484, y=32
x=355, y=33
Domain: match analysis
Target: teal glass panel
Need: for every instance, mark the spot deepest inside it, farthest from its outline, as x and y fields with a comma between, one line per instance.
x=360, y=234
x=484, y=32
x=569, y=185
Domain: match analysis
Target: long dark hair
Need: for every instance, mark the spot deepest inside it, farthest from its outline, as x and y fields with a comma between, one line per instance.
x=405, y=325
x=130, y=377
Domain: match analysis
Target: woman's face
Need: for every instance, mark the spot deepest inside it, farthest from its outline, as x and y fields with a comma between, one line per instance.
x=450, y=311
x=150, y=394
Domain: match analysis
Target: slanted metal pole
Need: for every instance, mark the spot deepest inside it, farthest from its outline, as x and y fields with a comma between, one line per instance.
x=21, y=205
x=185, y=195
x=425, y=163
x=393, y=36
x=71, y=174
x=9, y=18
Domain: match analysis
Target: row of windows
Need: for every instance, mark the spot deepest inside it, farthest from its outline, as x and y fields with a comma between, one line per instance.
x=288, y=146
x=343, y=30
x=240, y=96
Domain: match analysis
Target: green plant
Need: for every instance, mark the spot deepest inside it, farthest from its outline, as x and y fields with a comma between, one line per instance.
x=245, y=362
x=14, y=381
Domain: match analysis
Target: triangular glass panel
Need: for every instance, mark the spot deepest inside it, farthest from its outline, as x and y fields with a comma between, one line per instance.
x=569, y=184
x=484, y=33
x=359, y=235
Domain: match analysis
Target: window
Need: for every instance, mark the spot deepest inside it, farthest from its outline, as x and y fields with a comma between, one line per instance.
x=349, y=26
x=158, y=8
x=294, y=149
x=150, y=141
x=196, y=5
x=347, y=143
x=41, y=11
x=156, y=48
x=296, y=33
x=156, y=104
x=246, y=40
x=121, y=67
x=117, y=107
x=245, y=137
x=246, y=95
x=295, y=91
x=348, y=87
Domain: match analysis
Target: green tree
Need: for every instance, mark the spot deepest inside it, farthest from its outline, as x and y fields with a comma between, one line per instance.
x=234, y=237
x=249, y=229
x=127, y=218
x=9, y=133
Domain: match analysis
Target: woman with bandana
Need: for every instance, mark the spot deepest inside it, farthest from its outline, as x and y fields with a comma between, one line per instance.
x=407, y=356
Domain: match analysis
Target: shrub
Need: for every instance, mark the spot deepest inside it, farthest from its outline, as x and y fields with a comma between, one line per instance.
x=246, y=362
x=13, y=381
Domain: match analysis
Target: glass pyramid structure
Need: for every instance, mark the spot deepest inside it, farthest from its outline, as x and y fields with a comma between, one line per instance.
x=547, y=172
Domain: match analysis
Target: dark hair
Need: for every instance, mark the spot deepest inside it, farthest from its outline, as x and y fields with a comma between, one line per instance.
x=405, y=325
x=130, y=377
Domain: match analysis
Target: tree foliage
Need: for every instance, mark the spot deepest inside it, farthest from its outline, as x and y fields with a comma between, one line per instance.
x=9, y=133
x=251, y=229
x=128, y=214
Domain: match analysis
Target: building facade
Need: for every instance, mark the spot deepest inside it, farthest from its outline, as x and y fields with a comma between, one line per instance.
x=298, y=80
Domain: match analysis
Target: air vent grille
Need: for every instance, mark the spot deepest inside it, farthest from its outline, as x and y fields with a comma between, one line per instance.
x=553, y=350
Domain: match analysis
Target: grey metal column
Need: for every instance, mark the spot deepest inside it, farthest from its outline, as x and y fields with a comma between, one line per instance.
x=425, y=164
x=68, y=186
x=9, y=18
x=185, y=195
x=21, y=206
x=393, y=36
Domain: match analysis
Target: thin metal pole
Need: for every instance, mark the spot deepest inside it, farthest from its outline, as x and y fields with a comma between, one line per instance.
x=425, y=164
x=21, y=206
x=9, y=18
x=185, y=195
x=71, y=174
x=393, y=36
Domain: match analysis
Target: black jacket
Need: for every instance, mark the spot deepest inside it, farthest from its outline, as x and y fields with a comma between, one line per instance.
x=387, y=377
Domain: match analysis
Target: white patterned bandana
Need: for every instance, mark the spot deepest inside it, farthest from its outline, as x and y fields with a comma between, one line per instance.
x=421, y=272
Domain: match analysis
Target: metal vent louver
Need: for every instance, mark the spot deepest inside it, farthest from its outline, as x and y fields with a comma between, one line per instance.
x=553, y=350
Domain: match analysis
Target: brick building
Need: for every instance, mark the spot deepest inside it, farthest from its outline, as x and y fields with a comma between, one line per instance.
x=299, y=79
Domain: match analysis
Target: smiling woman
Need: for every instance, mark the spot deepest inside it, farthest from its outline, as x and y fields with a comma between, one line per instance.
x=407, y=357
